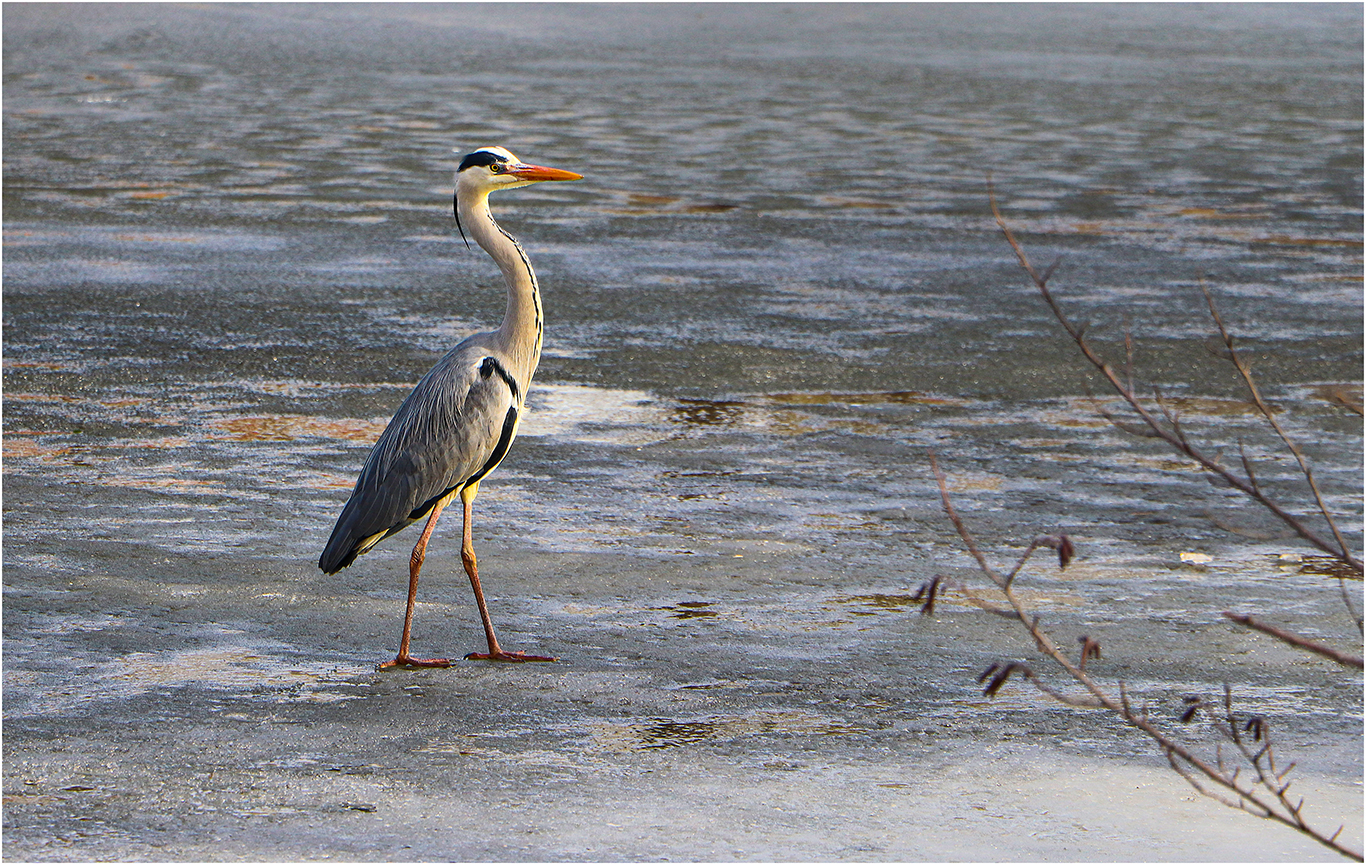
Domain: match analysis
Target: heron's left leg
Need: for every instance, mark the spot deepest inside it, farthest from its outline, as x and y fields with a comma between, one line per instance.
x=414, y=568
x=495, y=652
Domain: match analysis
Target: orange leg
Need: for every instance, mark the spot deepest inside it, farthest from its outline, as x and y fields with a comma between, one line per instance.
x=414, y=567
x=495, y=653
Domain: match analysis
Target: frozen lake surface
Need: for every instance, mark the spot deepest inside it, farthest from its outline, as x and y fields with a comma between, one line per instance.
x=229, y=253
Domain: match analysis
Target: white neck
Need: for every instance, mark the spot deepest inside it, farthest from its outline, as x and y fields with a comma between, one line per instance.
x=520, y=334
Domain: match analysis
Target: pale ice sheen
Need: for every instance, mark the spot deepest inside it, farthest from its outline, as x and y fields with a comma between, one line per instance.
x=594, y=415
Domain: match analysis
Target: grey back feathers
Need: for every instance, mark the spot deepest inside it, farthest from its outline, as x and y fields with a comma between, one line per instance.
x=454, y=428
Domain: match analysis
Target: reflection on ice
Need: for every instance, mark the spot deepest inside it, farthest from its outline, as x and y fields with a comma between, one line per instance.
x=592, y=414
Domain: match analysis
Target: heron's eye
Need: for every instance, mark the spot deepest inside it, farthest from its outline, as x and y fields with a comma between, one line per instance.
x=497, y=168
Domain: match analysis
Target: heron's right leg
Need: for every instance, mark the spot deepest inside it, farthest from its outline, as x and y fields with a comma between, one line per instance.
x=414, y=568
x=495, y=652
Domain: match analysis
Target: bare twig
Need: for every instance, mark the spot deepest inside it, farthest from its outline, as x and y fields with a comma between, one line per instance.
x=1000, y=673
x=1296, y=640
x=1264, y=790
x=929, y=594
x=1246, y=374
x=1246, y=532
x=1171, y=432
x=1263, y=798
x=1338, y=395
x=1061, y=543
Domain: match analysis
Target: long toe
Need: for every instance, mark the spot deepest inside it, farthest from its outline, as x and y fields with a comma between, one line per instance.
x=515, y=657
x=402, y=661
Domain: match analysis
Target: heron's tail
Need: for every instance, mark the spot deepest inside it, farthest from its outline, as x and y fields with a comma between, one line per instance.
x=355, y=533
x=344, y=545
x=341, y=550
x=372, y=513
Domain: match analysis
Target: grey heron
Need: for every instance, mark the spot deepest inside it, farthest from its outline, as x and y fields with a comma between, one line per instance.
x=460, y=419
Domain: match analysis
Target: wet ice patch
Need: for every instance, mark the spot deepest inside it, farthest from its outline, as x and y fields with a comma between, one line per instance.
x=595, y=414
x=259, y=667
x=654, y=734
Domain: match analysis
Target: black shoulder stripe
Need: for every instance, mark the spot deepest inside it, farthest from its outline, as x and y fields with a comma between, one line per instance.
x=500, y=450
x=490, y=366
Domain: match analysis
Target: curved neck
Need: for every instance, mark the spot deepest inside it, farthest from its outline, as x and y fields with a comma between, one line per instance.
x=521, y=332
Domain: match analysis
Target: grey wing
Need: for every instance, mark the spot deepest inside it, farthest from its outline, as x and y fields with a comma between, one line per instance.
x=453, y=429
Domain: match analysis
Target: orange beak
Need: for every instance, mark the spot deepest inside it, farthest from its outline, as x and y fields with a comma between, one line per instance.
x=540, y=172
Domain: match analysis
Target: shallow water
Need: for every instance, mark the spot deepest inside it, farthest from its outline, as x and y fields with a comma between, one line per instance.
x=228, y=253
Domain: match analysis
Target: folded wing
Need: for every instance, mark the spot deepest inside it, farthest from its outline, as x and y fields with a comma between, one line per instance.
x=454, y=428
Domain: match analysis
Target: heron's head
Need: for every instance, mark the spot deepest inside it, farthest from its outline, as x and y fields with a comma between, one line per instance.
x=489, y=169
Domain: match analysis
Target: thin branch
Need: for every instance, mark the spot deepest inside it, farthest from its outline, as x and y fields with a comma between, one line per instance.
x=929, y=593
x=1247, y=467
x=962, y=529
x=1246, y=373
x=1296, y=640
x=1244, y=531
x=1175, y=438
x=1186, y=763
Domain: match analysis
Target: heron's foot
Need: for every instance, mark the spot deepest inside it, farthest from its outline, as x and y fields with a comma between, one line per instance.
x=405, y=661
x=500, y=655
